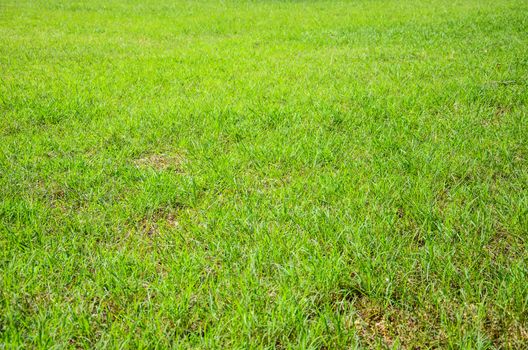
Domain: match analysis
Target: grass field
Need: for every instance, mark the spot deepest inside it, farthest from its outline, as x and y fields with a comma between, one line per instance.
x=264, y=174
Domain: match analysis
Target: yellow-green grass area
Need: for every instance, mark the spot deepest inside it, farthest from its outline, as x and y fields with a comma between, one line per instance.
x=264, y=174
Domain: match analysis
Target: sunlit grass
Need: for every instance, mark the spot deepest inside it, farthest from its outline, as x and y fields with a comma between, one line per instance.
x=263, y=174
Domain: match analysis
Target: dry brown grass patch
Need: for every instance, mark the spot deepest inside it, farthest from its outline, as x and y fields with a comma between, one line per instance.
x=388, y=326
x=161, y=162
x=150, y=224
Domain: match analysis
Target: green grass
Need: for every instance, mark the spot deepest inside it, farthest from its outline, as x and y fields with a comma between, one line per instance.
x=264, y=174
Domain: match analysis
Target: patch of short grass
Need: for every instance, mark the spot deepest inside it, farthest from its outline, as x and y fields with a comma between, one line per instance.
x=263, y=174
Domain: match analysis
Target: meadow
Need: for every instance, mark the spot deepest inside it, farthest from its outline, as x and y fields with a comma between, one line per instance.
x=264, y=174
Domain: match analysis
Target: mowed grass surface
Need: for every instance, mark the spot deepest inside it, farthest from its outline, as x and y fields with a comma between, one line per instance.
x=263, y=174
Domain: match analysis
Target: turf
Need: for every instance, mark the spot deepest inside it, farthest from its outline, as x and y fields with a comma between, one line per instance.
x=263, y=174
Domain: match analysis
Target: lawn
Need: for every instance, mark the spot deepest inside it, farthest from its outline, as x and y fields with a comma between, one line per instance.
x=264, y=174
